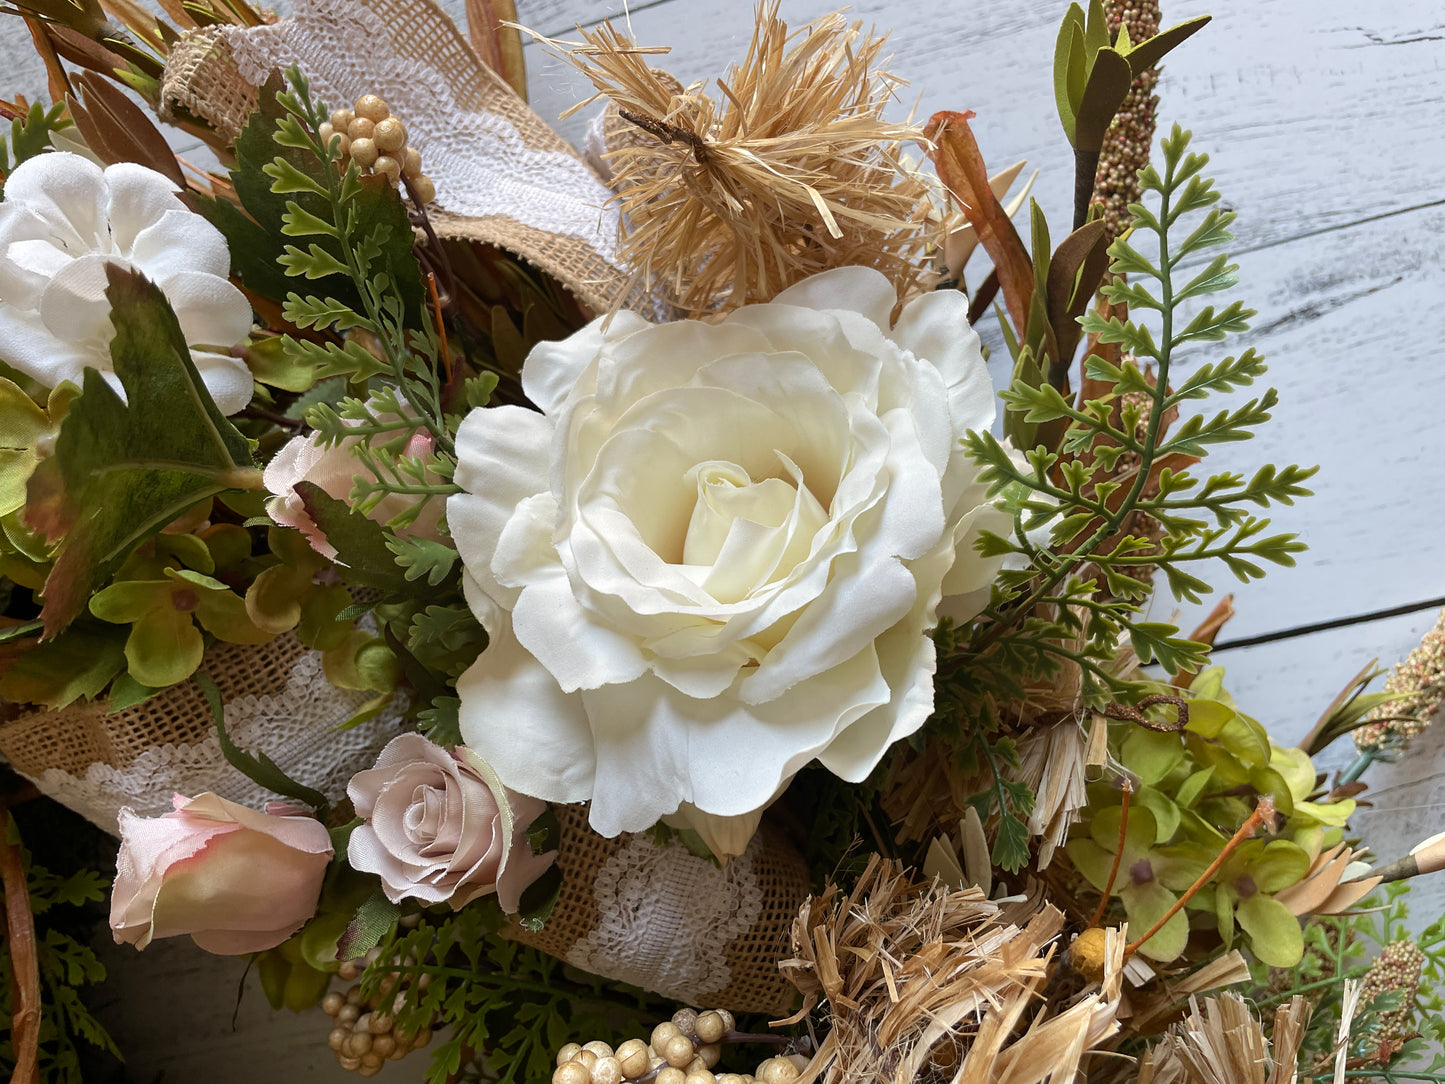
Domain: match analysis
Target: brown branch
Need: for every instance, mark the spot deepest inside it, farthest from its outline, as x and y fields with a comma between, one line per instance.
x=1118, y=856
x=1136, y=713
x=24, y=961
x=668, y=133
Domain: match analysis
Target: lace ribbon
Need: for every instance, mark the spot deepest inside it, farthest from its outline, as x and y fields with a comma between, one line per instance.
x=666, y=917
x=295, y=728
x=481, y=162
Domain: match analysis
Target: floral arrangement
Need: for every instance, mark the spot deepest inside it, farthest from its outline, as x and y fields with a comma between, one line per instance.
x=650, y=649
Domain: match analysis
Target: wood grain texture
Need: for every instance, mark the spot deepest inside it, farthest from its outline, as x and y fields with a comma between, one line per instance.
x=1327, y=131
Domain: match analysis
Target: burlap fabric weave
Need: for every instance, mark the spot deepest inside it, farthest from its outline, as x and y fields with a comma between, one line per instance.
x=275, y=698
x=746, y=968
x=503, y=176
x=201, y=79
x=84, y=733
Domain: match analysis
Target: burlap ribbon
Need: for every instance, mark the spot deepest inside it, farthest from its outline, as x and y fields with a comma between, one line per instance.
x=276, y=699
x=503, y=176
x=659, y=917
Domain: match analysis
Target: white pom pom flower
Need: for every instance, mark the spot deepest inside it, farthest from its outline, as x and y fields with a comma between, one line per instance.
x=63, y=218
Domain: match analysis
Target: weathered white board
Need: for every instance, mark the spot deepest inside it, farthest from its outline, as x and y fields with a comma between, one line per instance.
x=1326, y=123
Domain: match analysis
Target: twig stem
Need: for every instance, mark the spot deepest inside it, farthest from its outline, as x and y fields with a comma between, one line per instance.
x=1264, y=809
x=1118, y=855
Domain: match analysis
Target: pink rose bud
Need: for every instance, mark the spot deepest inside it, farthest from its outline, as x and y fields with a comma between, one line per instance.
x=421, y=445
x=440, y=827
x=335, y=470
x=235, y=879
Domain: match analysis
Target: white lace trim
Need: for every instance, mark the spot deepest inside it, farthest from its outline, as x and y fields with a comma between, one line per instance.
x=667, y=917
x=479, y=162
x=295, y=728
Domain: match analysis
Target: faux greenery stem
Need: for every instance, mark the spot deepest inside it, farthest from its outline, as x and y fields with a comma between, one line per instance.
x=1147, y=454
x=428, y=413
x=1319, y=984
x=1118, y=856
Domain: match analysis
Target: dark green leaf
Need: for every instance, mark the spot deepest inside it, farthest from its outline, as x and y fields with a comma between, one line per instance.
x=123, y=470
x=260, y=769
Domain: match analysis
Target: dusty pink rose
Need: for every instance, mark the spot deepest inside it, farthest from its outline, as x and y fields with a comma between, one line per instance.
x=335, y=469
x=440, y=827
x=235, y=879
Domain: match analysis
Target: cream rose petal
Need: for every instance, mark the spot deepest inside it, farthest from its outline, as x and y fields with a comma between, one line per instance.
x=516, y=717
x=501, y=461
x=852, y=289
x=553, y=370
x=724, y=757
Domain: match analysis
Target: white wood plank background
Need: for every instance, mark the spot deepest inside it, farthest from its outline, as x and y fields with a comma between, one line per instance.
x=1327, y=130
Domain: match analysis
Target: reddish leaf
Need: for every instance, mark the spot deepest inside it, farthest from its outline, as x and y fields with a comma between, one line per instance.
x=960, y=166
x=1084, y=249
x=128, y=134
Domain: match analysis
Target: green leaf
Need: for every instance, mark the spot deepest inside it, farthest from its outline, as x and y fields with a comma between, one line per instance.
x=1109, y=82
x=1146, y=904
x=299, y=222
x=423, y=558
x=1069, y=66
x=441, y=723
x=1155, y=642
x=260, y=769
x=373, y=920
x=314, y=263
x=1151, y=755
x=477, y=390
x=1147, y=53
x=286, y=178
x=320, y=313
x=123, y=470
x=360, y=543
x=324, y=360
x=127, y=692
x=539, y=899
x=79, y=663
x=1190, y=790
x=1274, y=933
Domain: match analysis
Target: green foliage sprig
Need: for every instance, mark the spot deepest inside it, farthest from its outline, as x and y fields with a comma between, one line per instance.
x=408, y=352
x=1039, y=609
x=1114, y=499
x=509, y=1003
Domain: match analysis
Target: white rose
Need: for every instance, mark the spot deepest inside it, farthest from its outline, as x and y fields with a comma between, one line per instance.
x=62, y=220
x=715, y=553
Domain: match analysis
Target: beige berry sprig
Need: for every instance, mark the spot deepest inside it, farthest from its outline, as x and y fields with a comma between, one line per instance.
x=372, y=137
x=683, y=1050
x=364, y=1036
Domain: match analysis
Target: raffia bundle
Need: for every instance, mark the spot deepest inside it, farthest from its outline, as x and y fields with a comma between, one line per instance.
x=1225, y=1044
x=927, y=984
x=790, y=171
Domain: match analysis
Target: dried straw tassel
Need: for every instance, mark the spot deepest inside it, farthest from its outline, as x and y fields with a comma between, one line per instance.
x=924, y=984
x=792, y=172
